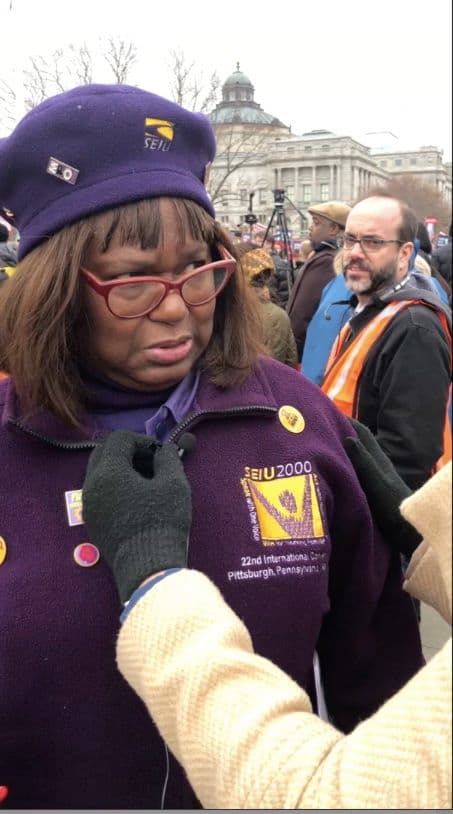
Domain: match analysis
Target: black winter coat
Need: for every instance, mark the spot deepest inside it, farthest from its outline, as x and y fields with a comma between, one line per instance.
x=403, y=389
x=442, y=259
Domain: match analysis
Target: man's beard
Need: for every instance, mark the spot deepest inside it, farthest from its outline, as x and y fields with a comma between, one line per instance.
x=377, y=279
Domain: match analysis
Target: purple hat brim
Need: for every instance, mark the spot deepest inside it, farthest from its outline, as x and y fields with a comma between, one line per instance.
x=135, y=185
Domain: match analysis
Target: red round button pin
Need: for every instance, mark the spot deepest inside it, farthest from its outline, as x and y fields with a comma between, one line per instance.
x=3, y=793
x=86, y=555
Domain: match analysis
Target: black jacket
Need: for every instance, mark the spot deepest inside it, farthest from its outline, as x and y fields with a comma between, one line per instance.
x=306, y=291
x=403, y=390
x=279, y=281
x=442, y=259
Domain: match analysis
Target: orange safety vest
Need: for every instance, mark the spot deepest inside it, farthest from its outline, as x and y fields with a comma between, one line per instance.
x=343, y=371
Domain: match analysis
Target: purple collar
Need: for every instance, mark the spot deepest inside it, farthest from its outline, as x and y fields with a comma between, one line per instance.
x=156, y=414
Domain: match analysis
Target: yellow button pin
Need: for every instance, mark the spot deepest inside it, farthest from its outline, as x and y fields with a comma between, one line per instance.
x=2, y=551
x=291, y=419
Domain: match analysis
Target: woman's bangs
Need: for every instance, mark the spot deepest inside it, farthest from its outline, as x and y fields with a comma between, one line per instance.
x=141, y=224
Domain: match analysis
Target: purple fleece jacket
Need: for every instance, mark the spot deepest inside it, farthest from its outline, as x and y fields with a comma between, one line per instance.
x=281, y=526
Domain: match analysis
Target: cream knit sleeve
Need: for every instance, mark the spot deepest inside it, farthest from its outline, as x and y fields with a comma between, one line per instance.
x=243, y=730
x=429, y=576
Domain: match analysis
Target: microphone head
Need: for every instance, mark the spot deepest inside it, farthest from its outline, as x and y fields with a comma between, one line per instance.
x=186, y=443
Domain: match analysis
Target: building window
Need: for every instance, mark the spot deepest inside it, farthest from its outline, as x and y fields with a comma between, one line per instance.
x=308, y=149
x=306, y=193
x=324, y=192
x=325, y=147
x=290, y=149
x=262, y=194
x=382, y=163
x=398, y=162
x=413, y=161
x=243, y=195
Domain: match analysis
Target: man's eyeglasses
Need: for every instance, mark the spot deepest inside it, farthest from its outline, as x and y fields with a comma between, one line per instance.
x=139, y=296
x=367, y=244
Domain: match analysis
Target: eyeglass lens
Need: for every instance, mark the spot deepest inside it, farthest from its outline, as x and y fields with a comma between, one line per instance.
x=139, y=296
x=365, y=243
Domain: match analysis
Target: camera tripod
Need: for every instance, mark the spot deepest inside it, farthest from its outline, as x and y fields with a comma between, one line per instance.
x=278, y=215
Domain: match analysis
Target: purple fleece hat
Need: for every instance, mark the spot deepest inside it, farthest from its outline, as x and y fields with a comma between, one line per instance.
x=97, y=147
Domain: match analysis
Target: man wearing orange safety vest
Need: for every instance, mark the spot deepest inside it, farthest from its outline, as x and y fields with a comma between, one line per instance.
x=390, y=365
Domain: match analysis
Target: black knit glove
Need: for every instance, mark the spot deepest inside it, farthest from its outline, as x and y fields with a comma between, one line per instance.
x=137, y=507
x=384, y=489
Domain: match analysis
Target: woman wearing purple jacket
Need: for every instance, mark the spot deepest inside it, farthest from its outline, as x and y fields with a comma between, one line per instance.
x=127, y=311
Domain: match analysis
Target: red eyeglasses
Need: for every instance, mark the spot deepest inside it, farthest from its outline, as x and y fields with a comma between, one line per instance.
x=129, y=299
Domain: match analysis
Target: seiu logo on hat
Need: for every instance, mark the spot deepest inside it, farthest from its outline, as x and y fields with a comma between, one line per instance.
x=158, y=134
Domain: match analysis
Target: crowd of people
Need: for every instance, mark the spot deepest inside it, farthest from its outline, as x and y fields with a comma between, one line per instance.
x=193, y=517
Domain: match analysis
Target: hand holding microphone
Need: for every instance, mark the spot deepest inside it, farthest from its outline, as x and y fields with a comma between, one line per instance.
x=137, y=506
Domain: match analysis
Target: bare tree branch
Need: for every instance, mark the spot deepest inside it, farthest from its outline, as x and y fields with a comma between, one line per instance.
x=235, y=149
x=181, y=72
x=82, y=64
x=120, y=57
x=212, y=93
x=422, y=196
x=46, y=76
x=56, y=75
x=36, y=82
x=8, y=99
x=189, y=86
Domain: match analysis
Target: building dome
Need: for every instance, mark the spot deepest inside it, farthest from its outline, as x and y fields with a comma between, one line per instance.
x=238, y=78
x=238, y=105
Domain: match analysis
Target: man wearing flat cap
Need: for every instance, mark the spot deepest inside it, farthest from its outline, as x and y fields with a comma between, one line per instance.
x=328, y=223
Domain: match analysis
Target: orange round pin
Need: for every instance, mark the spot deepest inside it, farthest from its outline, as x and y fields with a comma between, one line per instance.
x=291, y=419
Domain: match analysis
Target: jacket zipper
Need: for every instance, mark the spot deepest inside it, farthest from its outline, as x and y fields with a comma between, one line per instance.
x=75, y=445
x=189, y=422
x=194, y=418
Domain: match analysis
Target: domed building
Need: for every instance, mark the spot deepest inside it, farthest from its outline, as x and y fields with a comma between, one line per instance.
x=238, y=106
x=257, y=154
x=244, y=133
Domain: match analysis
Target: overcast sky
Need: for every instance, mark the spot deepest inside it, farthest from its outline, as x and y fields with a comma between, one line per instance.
x=352, y=67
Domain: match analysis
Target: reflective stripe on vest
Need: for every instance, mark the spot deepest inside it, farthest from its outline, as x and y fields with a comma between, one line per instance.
x=343, y=371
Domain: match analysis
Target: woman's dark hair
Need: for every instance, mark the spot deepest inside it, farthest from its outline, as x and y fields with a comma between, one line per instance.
x=423, y=237
x=43, y=320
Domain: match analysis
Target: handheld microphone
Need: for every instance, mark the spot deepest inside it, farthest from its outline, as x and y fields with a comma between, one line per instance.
x=186, y=444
